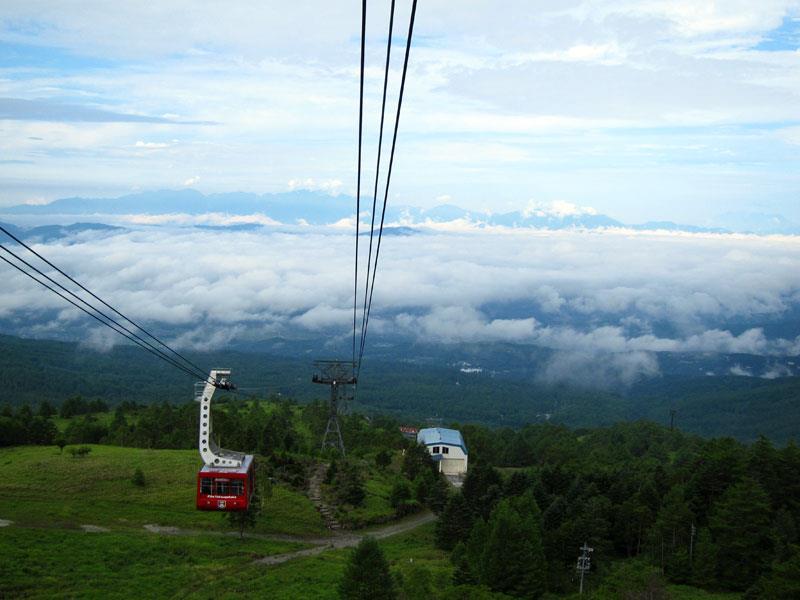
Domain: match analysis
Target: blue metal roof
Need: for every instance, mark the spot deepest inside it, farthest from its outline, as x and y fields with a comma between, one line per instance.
x=437, y=435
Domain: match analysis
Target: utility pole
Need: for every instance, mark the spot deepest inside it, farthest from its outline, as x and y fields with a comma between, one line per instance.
x=672, y=419
x=693, y=531
x=335, y=373
x=584, y=562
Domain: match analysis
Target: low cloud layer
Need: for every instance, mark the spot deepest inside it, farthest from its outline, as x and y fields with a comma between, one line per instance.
x=582, y=295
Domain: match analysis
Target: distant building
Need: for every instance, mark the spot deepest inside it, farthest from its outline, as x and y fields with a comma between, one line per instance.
x=447, y=448
x=409, y=432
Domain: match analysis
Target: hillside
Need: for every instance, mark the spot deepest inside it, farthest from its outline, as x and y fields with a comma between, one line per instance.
x=110, y=533
x=742, y=407
x=117, y=539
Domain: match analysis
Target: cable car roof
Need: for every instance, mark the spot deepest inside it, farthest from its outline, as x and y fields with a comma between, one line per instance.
x=213, y=469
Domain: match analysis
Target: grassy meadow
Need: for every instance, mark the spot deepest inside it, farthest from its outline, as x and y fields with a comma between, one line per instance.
x=50, y=496
x=40, y=486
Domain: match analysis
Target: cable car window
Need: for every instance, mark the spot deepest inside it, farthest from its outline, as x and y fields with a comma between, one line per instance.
x=222, y=487
x=237, y=487
x=205, y=485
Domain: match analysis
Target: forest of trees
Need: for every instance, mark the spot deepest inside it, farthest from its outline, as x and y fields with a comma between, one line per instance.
x=740, y=407
x=714, y=513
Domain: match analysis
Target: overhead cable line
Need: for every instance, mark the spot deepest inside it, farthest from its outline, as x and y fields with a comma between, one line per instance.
x=377, y=177
x=180, y=356
x=358, y=183
x=388, y=179
x=118, y=329
x=106, y=320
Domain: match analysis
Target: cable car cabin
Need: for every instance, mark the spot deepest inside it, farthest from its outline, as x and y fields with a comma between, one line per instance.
x=226, y=488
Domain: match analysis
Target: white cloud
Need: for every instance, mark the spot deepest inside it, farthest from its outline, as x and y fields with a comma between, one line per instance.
x=330, y=186
x=539, y=99
x=557, y=208
x=615, y=299
x=740, y=371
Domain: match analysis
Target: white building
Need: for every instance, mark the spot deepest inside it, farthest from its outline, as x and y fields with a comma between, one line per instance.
x=447, y=448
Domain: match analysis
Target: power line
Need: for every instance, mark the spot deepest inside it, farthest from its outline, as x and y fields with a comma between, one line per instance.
x=388, y=178
x=106, y=304
x=358, y=184
x=94, y=316
x=377, y=174
x=107, y=319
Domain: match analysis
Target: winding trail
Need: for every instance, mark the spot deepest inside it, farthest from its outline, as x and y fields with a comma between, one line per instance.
x=319, y=544
x=350, y=540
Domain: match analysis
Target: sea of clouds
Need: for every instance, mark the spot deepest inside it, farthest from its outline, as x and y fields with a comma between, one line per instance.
x=611, y=298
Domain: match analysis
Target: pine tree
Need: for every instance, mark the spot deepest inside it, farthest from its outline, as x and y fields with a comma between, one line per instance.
x=741, y=523
x=517, y=484
x=383, y=459
x=513, y=558
x=462, y=574
x=482, y=489
x=439, y=495
x=367, y=576
x=789, y=472
x=454, y=523
x=400, y=494
x=416, y=460
x=783, y=583
x=245, y=519
x=763, y=466
x=704, y=560
x=475, y=551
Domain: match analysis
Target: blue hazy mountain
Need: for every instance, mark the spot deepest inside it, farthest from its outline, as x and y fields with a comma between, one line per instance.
x=289, y=207
x=48, y=233
x=553, y=221
x=759, y=223
x=318, y=208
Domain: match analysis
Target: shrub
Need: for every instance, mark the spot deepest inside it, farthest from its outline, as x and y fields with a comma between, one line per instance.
x=138, y=478
x=80, y=451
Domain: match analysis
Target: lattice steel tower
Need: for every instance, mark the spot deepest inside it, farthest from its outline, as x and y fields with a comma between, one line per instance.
x=337, y=374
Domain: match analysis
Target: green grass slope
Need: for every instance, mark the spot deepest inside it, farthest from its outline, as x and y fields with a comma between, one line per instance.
x=41, y=487
x=53, y=563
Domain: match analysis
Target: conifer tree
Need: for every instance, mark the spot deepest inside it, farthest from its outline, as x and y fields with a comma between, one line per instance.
x=462, y=574
x=783, y=582
x=741, y=523
x=704, y=559
x=513, y=558
x=367, y=576
x=475, y=551
x=454, y=523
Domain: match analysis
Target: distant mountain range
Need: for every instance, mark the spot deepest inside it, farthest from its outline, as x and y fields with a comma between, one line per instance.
x=318, y=208
x=48, y=233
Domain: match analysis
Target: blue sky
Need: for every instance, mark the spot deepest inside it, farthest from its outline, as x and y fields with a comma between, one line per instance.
x=643, y=110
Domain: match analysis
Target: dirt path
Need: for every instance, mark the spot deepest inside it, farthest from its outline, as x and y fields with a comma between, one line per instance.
x=350, y=540
x=319, y=545
x=315, y=495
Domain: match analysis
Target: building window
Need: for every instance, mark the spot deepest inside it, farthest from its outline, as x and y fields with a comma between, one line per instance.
x=436, y=449
x=205, y=485
x=445, y=450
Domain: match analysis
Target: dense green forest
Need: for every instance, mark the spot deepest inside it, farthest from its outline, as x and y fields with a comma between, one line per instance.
x=656, y=505
x=741, y=407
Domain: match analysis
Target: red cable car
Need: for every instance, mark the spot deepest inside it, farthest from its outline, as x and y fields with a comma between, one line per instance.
x=227, y=480
x=226, y=488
